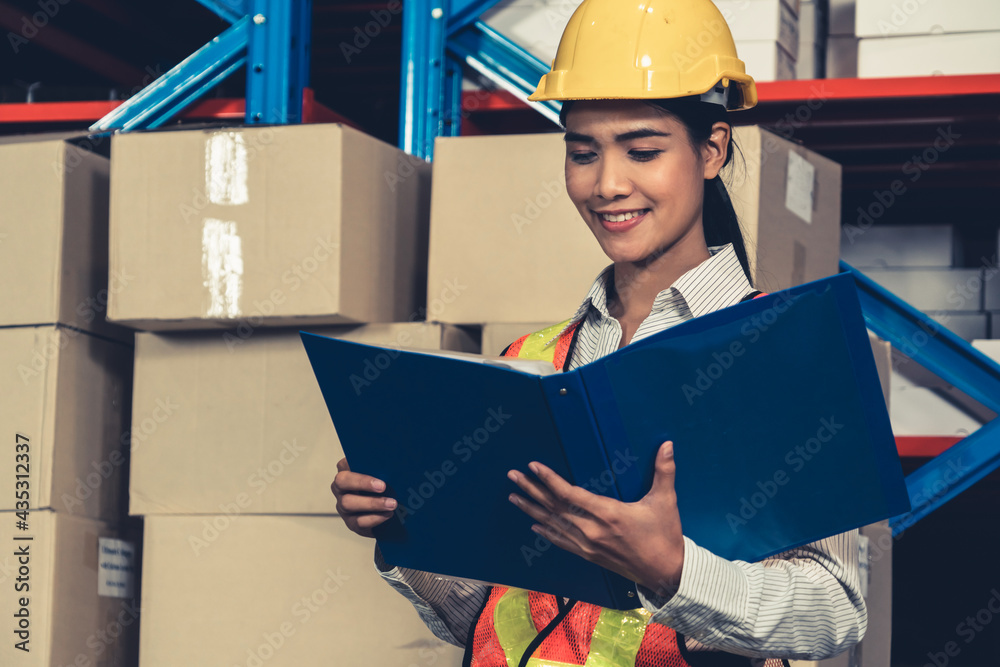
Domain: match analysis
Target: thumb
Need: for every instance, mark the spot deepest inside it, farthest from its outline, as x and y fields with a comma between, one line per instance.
x=664, y=471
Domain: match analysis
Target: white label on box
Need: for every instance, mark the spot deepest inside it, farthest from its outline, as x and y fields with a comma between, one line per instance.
x=226, y=169
x=864, y=569
x=799, y=186
x=115, y=567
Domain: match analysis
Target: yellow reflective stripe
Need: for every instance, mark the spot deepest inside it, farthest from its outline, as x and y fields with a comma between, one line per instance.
x=513, y=625
x=614, y=643
x=616, y=638
x=536, y=345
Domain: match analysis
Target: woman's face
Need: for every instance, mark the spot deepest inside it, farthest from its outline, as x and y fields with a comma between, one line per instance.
x=635, y=178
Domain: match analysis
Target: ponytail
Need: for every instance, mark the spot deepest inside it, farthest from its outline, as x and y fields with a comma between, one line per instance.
x=719, y=218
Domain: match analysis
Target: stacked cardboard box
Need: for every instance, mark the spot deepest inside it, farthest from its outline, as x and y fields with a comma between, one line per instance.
x=927, y=38
x=232, y=235
x=67, y=375
x=766, y=34
x=841, y=41
x=916, y=263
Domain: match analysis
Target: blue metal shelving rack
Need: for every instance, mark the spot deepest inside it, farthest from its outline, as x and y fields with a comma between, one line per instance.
x=441, y=35
x=270, y=36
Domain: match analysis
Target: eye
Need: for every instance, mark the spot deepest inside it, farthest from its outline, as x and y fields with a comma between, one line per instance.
x=644, y=155
x=582, y=157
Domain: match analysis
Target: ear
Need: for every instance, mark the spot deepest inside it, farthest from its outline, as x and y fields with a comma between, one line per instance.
x=715, y=148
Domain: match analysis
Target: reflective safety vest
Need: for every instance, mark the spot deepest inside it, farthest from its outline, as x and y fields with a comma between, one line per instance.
x=519, y=628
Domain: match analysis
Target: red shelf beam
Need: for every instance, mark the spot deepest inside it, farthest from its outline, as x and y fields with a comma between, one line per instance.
x=806, y=89
x=211, y=109
x=924, y=445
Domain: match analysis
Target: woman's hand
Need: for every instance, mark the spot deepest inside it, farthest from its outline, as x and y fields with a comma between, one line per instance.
x=641, y=541
x=358, y=500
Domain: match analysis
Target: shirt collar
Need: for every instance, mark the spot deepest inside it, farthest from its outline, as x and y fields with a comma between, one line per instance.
x=717, y=282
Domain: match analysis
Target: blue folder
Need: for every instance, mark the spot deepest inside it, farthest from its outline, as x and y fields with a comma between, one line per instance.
x=781, y=438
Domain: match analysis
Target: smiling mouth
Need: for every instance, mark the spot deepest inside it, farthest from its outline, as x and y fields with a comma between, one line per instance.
x=621, y=217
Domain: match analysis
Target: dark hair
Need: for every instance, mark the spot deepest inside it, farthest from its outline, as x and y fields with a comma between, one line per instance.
x=719, y=218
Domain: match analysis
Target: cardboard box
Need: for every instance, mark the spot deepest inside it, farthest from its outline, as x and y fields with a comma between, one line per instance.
x=885, y=18
x=810, y=44
x=79, y=608
x=766, y=60
x=930, y=55
x=67, y=398
x=490, y=268
x=54, y=235
x=841, y=57
x=991, y=348
x=884, y=246
x=841, y=17
x=964, y=324
x=223, y=423
x=280, y=591
x=761, y=20
x=933, y=289
x=284, y=225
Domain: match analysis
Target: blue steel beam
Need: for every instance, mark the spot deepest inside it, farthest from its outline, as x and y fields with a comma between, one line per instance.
x=952, y=359
x=927, y=342
x=950, y=473
x=503, y=62
x=278, y=58
x=422, y=76
x=228, y=10
x=451, y=109
x=182, y=84
x=465, y=12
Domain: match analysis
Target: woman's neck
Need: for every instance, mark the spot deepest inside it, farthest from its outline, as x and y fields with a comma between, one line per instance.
x=636, y=284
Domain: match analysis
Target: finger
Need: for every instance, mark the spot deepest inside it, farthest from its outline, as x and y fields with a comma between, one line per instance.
x=563, y=491
x=348, y=482
x=352, y=503
x=374, y=519
x=536, y=490
x=664, y=472
x=342, y=465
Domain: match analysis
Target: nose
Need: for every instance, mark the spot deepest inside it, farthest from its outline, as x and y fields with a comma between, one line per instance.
x=612, y=179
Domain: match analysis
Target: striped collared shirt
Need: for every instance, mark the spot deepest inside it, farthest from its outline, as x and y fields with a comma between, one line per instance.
x=717, y=282
x=804, y=603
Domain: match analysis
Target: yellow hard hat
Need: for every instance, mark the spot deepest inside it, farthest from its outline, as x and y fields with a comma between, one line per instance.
x=648, y=49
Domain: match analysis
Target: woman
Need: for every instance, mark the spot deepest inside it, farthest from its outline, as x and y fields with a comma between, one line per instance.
x=646, y=137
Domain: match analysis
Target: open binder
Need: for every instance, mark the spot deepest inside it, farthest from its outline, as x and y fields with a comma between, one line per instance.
x=781, y=438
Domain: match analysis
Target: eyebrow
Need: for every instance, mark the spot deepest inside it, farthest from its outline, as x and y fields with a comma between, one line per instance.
x=640, y=133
